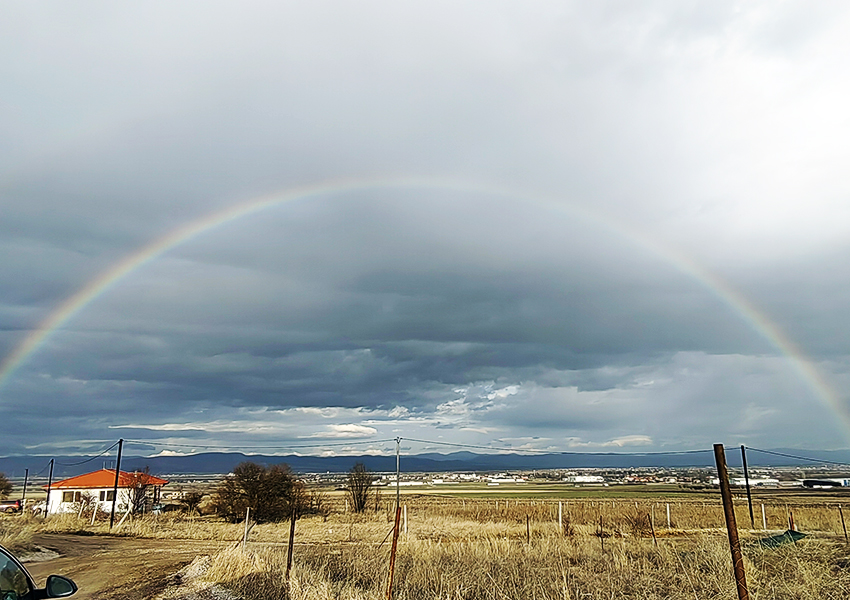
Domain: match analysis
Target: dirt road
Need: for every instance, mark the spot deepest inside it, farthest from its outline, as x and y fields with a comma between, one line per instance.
x=117, y=568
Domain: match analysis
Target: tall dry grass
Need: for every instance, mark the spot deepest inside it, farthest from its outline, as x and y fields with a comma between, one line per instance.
x=498, y=549
x=498, y=563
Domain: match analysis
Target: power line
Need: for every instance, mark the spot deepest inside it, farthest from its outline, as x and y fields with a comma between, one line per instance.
x=82, y=462
x=814, y=460
x=232, y=446
x=561, y=452
x=435, y=442
x=44, y=468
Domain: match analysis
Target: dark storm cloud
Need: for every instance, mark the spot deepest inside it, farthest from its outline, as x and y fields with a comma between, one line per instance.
x=709, y=129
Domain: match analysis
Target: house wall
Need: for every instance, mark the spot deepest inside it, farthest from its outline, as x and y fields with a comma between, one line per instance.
x=58, y=506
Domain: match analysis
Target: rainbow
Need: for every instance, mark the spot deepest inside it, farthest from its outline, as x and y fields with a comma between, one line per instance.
x=714, y=284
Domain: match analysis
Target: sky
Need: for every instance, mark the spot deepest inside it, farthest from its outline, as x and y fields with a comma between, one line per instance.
x=315, y=227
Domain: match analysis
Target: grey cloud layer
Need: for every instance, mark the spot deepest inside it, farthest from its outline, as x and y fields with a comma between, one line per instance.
x=711, y=130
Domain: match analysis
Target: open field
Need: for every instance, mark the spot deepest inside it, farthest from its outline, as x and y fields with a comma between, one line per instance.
x=501, y=543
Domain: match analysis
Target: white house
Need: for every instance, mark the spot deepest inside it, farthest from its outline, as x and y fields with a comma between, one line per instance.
x=98, y=486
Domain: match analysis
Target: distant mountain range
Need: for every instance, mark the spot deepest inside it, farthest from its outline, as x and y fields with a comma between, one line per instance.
x=219, y=462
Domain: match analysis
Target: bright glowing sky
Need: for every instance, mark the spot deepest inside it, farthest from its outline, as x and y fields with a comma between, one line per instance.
x=660, y=134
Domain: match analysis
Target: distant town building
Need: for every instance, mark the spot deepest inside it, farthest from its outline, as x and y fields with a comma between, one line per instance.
x=584, y=479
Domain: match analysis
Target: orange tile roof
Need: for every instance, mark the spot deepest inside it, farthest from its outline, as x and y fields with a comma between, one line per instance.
x=105, y=478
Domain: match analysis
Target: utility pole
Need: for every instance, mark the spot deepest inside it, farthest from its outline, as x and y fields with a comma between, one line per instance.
x=115, y=485
x=397, y=519
x=49, y=483
x=397, y=473
x=24, y=495
x=731, y=526
x=747, y=481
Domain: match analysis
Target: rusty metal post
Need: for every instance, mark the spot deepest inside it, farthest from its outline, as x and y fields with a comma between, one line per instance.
x=392, y=553
x=731, y=526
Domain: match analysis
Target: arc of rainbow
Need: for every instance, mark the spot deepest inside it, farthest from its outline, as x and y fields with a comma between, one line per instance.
x=714, y=284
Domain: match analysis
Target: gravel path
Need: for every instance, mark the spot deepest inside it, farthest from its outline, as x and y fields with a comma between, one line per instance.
x=128, y=568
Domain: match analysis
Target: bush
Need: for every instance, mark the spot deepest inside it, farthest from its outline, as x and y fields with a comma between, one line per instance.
x=271, y=494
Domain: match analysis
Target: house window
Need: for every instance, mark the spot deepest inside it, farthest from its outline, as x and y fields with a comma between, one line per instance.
x=72, y=496
x=107, y=496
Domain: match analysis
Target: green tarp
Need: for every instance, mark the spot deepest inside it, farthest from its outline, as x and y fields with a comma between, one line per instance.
x=783, y=538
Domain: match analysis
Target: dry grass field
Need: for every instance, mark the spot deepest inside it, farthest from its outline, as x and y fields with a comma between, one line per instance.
x=509, y=548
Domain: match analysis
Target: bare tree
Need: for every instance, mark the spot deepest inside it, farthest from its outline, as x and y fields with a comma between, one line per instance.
x=138, y=483
x=360, y=479
x=192, y=500
x=88, y=502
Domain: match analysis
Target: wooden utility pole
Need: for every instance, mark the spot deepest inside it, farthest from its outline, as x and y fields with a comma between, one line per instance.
x=49, y=483
x=747, y=482
x=731, y=526
x=397, y=519
x=397, y=472
x=24, y=495
x=115, y=485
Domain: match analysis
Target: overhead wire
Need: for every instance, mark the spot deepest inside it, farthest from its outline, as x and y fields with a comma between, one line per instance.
x=559, y=452
x=265, y=447
x=82, y=462
x=796, y=457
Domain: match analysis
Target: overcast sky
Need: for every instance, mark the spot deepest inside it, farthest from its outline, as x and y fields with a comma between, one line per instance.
x=601, y=189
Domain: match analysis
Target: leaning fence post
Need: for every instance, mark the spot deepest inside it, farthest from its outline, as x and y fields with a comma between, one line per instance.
x=291, y=545
x=652, y=529
x=245, y=535
x=668, y=515
x=763, y=518
x=843, y=526
x=731, y=526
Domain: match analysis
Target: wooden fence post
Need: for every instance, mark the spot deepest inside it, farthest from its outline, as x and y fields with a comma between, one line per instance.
x=560, y=517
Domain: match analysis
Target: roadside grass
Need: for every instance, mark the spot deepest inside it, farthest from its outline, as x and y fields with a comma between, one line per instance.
x=16, y=534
